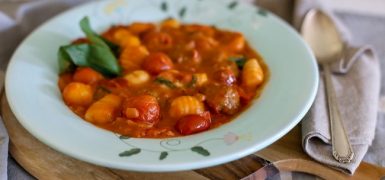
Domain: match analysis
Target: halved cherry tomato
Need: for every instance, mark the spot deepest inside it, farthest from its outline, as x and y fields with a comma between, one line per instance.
x=147, y=107
x=191, y=124
x=157, y=62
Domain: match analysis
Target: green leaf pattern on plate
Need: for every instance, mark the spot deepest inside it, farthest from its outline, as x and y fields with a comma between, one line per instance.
x=232, y=5
x=130, y=152
x=124, y=137
x=262, y=12
x=200, y=150
x=163, y=155
x=164, y=6
x=182, y=12
x=172, y=145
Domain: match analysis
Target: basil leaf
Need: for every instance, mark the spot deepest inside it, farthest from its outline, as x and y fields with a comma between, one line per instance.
x=193, y=82
x=101, y=57
x=91, y=35
x=78, y=53
x=165, y=82
x=65, y=63
x=74, y=54
x=114, y=48
x=240, y=61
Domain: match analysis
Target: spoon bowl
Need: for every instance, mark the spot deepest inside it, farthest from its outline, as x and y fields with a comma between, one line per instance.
x=320, y=32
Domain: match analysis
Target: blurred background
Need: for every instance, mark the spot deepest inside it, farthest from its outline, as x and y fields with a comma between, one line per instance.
x=365, y=20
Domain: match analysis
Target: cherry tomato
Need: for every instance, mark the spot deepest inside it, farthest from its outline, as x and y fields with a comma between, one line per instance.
x=245, y=95
x=64, y=79
x=157, y=62
x=87, y=75
x=147, y=107
x=191, y=124
x=81, y=41
x=158, y=41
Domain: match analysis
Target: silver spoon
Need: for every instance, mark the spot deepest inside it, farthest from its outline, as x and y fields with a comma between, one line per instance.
x=321, y=34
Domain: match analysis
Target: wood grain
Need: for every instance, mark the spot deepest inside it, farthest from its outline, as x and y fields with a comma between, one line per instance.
x=43, y=162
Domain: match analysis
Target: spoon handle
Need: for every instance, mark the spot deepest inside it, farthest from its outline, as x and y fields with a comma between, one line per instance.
x=342, y=150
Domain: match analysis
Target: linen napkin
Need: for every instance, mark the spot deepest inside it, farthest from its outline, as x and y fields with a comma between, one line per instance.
x=18, y=19
x=356, y=80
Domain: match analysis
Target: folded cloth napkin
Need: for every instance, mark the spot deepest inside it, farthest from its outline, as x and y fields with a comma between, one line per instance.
x=356, y=80
x=17, y=19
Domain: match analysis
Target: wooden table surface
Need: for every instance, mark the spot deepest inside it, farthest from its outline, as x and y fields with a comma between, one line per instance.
x=45, y=163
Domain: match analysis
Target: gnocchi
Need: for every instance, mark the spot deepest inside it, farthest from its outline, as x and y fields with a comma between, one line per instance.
x=137, y=77
x=201, y=78
x=170, y=23
x=104, y=110
x=131, y=58
x=125, y=38
x=185, y=105
x=252, y=74
x=76, y=93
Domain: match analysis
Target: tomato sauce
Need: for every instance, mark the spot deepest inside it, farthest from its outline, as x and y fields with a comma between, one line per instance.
x=177, y=79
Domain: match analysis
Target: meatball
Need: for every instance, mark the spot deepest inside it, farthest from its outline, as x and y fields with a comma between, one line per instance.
x=222, y=98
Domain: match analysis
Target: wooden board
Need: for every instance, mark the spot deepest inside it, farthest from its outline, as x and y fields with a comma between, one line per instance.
x=45, y=163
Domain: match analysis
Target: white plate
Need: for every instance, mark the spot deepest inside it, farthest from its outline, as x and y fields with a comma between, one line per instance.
x=33, y=94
